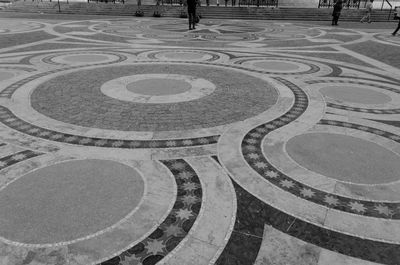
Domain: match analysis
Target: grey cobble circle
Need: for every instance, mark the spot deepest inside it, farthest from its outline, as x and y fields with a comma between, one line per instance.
x=76, y=98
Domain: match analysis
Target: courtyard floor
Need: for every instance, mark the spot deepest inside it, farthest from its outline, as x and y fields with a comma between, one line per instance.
x=132, y=141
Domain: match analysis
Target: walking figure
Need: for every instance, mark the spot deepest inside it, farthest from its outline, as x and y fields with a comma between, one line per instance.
x=397, y=16
x=337, y=8
x=191, y=5
x=367, y=16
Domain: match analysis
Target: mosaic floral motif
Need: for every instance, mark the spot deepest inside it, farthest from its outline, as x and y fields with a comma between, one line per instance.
x=176, y=225
x=9, y=119
x=12, y=159
x=251, y=149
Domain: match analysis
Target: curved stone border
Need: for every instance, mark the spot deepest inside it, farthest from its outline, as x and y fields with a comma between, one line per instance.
x=52, y=59
x=253, y=154
x=9, y=90
x=254, y=214
x=158, y=55
x=12, y=159
x=117, y=88
x=177, y=224
x=388, y=135
x=12, y=121
x=357, y=109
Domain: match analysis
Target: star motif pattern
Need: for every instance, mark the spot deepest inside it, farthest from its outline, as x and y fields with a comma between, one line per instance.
x=252, y=152
x=157, y=242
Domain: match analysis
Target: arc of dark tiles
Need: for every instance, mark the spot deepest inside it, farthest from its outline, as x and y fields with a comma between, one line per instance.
x=17, y=157
x=180, y=219
x=364, y=110
x=253, y=155
x=253, y=214
x=9, y=91
x=388, y=122
x=9, y=119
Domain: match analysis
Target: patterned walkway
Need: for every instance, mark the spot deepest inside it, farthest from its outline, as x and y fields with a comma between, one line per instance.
x=134, y=141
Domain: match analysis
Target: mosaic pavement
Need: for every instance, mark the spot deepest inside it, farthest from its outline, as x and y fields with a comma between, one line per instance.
x=134, y=141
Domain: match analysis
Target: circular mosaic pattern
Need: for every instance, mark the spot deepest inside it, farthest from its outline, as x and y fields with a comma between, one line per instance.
x=157, y=88
x=76, y=98
x=85, y=58
x=355, y=94
x=344, y=157
x=277, y=66
x=183, y=56
x=5, y=75
x=77, y=59
x=68, y=201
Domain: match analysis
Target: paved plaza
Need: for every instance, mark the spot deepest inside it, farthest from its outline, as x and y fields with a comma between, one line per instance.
x=135, y=141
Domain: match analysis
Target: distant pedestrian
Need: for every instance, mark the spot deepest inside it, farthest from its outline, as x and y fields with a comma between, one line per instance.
x=368, y=11
x=337, y=8
x=397, y=16
x=191, y=5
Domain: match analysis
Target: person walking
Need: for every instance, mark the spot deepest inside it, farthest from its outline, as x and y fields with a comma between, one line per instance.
x=191, y=5
x=367, y=16
x=397, y=16
x=337, y=8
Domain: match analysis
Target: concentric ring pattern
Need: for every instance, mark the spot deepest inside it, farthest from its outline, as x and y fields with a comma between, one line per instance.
x=135, y=141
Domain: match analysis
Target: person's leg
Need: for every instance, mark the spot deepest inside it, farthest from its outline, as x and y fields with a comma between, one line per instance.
x=397, y=29
x=369, y=17
x=191, y=18
x=337, y=19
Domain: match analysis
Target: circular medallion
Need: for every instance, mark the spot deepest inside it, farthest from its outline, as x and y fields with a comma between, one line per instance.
x=355, y=94
x=68, y=201
x=344, y=158
x=218, y=96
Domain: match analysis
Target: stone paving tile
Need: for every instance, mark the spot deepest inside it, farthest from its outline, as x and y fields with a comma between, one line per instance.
x=217, y=145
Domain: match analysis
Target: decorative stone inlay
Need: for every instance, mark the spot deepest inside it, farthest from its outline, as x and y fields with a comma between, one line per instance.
x=157, y=88
x=12, y=159
x=9, y=90
x=176, y=225
x=9, y=119
x=82, y=103
x=251, y=148
x=344, y=157
x=355, y=94
x=68, y=201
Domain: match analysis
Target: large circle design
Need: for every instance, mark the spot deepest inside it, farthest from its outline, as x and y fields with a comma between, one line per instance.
x=355, y=94
x=85, y=58
x=79, y=98
x=157, y=88
x=68, y=201
x=344, y=158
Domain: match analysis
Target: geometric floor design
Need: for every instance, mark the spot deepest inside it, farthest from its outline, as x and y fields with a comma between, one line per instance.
x=134, y=141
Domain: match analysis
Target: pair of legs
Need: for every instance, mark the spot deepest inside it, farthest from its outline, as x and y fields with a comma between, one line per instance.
x=335, y=19
x=192, y=21
x=366, y=17
x=397, y=29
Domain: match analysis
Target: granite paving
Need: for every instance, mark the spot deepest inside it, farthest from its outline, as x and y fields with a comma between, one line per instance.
x=134, y=141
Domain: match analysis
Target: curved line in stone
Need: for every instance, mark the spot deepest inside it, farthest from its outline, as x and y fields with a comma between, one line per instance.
x=285, y=182
x=183, y=215
x=12, y=121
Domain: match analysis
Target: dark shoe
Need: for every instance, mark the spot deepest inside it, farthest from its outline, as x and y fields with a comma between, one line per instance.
x=190, y=28
x=393, y=34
